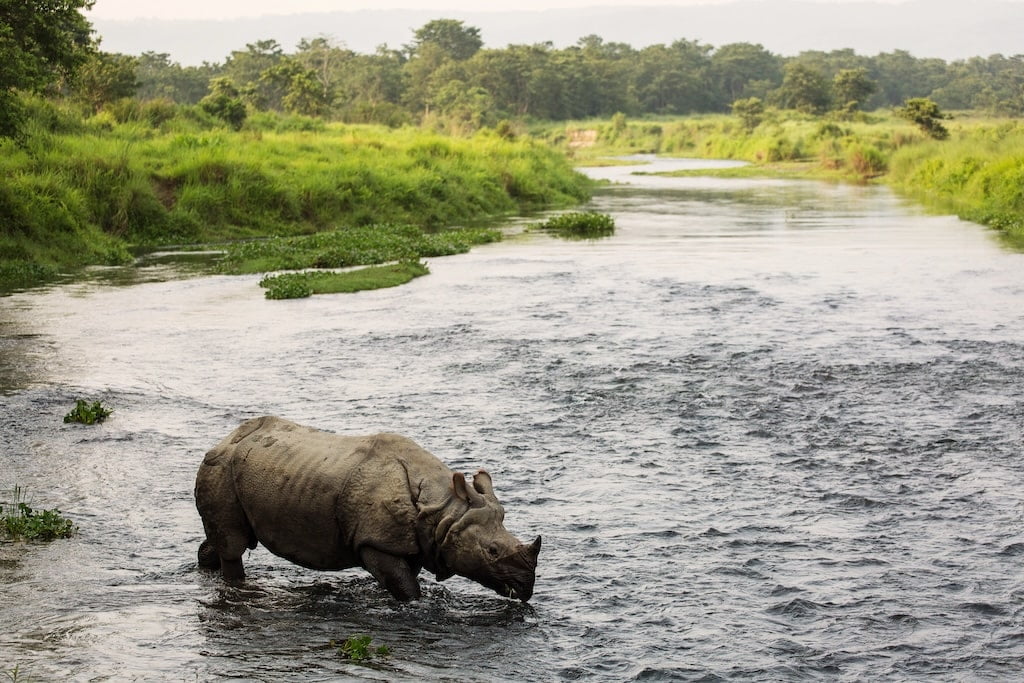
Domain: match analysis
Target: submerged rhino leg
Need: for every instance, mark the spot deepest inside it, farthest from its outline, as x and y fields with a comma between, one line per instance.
x=208, y=557
x=394, y=573
x=228, y=532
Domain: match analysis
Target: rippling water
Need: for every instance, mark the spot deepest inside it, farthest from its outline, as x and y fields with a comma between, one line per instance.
x=769, y=430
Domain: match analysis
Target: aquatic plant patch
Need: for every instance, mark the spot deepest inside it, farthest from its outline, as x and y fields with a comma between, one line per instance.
x=579, y=224
x=300, y=285
x=18, y=521
x=358, y=648
x=88, y=413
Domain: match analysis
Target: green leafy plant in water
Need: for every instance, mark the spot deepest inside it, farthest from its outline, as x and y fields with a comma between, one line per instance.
x=579, y=224
x=357, y=648
x=88, y=413
x=18, y=521
x=299, y=285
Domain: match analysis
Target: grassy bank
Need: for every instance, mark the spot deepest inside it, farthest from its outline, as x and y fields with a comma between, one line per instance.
x=85, y=190
x=977, y=173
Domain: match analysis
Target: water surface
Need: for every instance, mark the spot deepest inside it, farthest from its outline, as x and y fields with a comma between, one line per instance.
x=769, y=430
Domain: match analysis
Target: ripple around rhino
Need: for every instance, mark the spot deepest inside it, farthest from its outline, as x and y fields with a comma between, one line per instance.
x=768, y=430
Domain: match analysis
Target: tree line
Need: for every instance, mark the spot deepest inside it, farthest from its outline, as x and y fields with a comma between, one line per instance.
x=446, y=78
x=446, y=75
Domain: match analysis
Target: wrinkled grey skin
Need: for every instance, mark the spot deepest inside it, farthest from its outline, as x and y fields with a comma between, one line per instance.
x=331, y=502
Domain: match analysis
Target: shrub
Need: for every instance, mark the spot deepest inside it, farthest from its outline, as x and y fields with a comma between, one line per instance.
x=867, y=161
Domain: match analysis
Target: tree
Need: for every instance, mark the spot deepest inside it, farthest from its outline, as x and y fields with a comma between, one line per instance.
x=225, y=103
x=41, y=43
x=926, y=115
x=106, y=77
x=804, y=89
x=741, y=70
x=455, y=40
x=851, y=88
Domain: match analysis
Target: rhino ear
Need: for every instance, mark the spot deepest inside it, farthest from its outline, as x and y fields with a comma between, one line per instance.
x=466, y=493
x=482, y=483
x=459, y=484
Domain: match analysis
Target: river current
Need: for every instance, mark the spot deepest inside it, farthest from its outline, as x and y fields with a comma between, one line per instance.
x=769, y=430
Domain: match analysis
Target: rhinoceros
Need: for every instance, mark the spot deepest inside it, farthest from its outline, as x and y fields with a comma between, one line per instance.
x=326, y=501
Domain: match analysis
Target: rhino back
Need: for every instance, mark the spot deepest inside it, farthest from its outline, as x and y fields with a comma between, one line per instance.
x=316, y=498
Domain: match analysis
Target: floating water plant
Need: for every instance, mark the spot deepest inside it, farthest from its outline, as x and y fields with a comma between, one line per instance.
x=18, y=521
x=299, y=285
x=357, y=648
x=88, y=413
x=579, y=224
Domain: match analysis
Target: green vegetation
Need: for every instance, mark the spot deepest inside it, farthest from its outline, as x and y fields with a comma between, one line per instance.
x=579, y=225
x=84, y=189
x=444, y=79
x=18, y=521
x=88, y=413
x=926, y=115
x=977, y=174
x=300, y=285
x=357, y=648
x=130, y=152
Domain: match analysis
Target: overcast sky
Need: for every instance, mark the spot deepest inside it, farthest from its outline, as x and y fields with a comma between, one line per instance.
x=228, y=9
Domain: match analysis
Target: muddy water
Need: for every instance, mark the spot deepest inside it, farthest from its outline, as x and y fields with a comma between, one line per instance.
x=769, y=430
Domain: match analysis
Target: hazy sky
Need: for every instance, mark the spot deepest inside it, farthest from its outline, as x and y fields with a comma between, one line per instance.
x=227, y=9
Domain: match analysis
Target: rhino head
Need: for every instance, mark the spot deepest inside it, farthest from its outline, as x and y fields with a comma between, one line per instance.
x=473, y=541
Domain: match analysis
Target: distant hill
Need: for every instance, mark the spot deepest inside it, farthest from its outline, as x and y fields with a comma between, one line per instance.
x=949, y=29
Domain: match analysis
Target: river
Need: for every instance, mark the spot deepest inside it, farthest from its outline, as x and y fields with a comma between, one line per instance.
x=769, y=430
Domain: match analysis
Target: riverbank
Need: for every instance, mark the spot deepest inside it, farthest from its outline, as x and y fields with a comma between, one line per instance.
x=976, y=174
x=84, y=191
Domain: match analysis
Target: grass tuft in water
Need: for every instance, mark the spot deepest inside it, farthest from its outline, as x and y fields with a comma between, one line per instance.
x=579, y=224
x=357, y=648
x=88, y=413
x=18, y=521
x=300, y=285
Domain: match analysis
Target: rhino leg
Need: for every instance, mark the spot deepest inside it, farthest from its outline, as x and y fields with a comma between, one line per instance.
x=228, y=535
x=208, y=557
x=394, y=573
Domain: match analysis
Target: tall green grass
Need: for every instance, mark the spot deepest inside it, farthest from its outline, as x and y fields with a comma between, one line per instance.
x=978, y=173
x=82, y=190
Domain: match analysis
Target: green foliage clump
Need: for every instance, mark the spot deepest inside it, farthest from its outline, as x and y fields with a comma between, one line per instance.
x=580, y=224
x=358, y=648
x=18, y=521
x=926, y=115
x=88, y=413
x=304, y=284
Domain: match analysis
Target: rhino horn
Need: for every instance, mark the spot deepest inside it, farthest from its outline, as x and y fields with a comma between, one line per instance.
x=465, y=492
x=533, y=550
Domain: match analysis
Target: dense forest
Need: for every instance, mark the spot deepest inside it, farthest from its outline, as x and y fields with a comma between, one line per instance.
x=446, y=78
